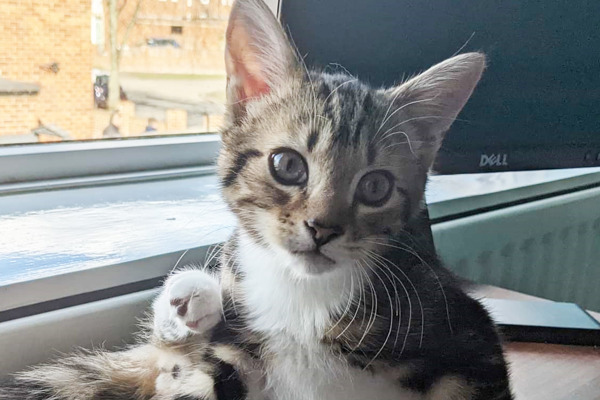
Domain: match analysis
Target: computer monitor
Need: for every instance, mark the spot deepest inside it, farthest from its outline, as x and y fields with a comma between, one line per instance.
x=538, y=103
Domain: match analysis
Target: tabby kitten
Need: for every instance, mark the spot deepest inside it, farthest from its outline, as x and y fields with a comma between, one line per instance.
x=324, y=291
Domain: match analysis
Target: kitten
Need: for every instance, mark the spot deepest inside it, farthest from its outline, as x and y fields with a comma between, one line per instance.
x=324, y=291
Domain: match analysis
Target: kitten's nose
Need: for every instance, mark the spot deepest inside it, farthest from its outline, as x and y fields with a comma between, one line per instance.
x=322, y=234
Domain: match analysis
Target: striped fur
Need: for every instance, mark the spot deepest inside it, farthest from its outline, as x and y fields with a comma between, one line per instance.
x=149, y=371
x=370, y=314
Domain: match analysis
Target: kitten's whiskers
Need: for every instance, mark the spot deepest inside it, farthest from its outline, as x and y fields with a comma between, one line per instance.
x=387, y=117
x=374, y=256
x=391, y=315
x=348, y=305
x=373, y=313
x=414, y=288
x=414, y=253
x=408, y=141
x=179, y=260
x=337, y=88
x=360, y=295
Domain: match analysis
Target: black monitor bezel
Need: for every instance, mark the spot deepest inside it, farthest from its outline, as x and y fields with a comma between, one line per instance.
x=502, y=158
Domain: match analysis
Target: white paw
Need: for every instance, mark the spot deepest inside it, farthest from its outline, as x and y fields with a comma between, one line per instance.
x=194, y=300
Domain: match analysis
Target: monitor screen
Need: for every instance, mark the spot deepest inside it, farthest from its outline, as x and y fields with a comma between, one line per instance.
x=538, y=103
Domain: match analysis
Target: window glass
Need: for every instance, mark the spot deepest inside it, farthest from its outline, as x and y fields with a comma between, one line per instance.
x=94, y=69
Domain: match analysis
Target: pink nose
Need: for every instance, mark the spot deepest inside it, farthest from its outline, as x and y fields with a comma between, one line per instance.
x=322, y=234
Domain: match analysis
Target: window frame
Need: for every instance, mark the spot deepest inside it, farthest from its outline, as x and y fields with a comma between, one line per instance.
x=47, y=165
x=34, y=296
x=43, y=166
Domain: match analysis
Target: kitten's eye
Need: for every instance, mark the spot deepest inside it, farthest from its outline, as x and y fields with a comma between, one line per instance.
x=288, y=167
x=375, y=188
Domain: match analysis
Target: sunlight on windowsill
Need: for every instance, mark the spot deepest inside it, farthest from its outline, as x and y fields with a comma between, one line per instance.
x=61, y=231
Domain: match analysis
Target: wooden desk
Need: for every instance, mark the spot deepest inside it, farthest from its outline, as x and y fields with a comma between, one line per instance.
x=548, y=371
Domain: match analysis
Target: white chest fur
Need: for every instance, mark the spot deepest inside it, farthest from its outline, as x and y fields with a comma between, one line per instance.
x=279, y=301
x=293, y=314
x=304, y=373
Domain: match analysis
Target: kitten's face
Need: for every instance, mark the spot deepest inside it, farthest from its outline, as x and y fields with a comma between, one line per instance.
x=320, y=182
x=318, y=167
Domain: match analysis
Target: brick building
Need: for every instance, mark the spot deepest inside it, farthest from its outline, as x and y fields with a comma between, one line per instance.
x=48, y=49
x=45, y=68
x=169, y=36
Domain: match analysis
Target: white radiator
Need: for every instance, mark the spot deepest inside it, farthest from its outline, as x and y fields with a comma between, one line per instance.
x=548, y=248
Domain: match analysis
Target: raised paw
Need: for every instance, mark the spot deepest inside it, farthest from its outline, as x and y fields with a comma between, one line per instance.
x=189, y=303
x=195, y=299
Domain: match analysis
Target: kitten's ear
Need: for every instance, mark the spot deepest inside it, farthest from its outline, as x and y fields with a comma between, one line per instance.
x=258, y=56
x=431, y=101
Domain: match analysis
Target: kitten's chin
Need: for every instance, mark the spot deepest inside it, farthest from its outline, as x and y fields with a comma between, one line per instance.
x=312, y=263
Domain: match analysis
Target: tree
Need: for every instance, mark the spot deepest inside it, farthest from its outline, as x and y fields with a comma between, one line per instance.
x=116, y=46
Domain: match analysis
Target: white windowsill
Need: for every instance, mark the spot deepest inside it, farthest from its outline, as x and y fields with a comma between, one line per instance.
x=46, y=162
x=64, y=242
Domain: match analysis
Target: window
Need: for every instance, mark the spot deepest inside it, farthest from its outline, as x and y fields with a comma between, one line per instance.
x=56, y=84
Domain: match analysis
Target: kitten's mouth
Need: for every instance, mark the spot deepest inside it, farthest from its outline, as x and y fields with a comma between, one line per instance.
x=314, y=256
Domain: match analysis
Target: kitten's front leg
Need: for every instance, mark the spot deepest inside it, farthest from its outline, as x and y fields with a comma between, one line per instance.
x=189, y=304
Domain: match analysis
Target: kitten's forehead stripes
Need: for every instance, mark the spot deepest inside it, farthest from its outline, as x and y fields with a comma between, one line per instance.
x=312, y=140
x=365, y=111
x=350, y=106
x=240, y=161
x=371, y=153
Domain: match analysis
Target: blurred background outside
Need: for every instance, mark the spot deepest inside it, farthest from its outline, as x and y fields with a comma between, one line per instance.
x=93, y=69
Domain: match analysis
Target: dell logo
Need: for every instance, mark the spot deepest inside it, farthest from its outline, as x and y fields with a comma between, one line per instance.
x=493, y=160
